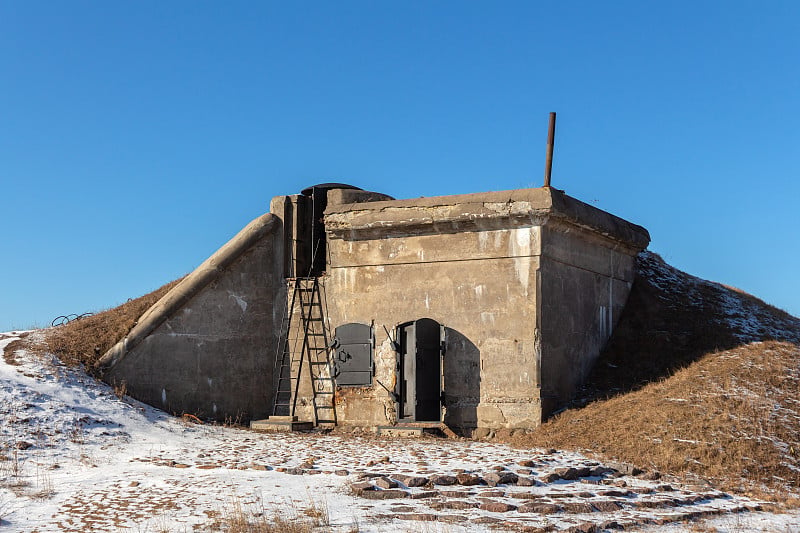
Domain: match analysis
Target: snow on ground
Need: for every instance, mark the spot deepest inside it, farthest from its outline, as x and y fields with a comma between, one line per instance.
x=75, y=457
x=747, y=317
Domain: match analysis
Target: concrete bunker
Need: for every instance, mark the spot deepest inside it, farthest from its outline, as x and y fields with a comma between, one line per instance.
x=479, y=310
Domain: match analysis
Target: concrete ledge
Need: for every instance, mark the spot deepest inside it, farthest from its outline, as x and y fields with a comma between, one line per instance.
x=177, y=297
x=490, y=210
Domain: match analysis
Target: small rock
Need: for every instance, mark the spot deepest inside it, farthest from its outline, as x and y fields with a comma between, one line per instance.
x=626, y=469
x=23, y=445
x=651, y=476
x=455, y=493
x=455, y=504
x=399, y=508
x=385, y=483
x=599, y=471
x=540, y=508
x=577, y=507
x=481, y=433
x=384, y=494
x=500, y=478
x=569, y=473
x=486, y=520
x=606, y=506
x=550, y=478
x=526, y=462
x=443, y=480
x=341, y=472
x=134, y=484
x=468, y=480
x=615, y=493
x=452, y=518
x=526, y=482
x=421, y=517
x=424, y=494
x=412, y=481
x=525, y=496
x=259, y=467
x=497, y=507
x=362, y=486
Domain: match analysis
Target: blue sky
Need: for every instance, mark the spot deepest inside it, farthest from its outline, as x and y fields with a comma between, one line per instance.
x=137, y=137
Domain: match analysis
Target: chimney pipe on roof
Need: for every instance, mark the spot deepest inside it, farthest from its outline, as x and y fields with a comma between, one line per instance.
x=551, y=137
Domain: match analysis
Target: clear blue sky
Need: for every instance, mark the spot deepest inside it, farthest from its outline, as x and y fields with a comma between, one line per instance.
x=137, y=137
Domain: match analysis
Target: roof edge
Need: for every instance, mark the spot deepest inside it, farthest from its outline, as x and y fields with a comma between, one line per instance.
x=489, y=210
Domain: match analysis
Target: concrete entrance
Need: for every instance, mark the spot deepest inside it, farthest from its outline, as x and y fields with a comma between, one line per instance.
x=420, y=371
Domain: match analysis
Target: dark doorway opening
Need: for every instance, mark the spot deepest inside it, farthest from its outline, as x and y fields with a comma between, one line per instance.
x=420, y=371
x=314, y=200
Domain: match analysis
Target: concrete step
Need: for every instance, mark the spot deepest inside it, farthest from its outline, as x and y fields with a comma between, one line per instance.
x=400, y=431
x=415, y=430
x=280, y=425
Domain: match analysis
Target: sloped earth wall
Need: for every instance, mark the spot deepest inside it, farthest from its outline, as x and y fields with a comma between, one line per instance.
x=207, y=348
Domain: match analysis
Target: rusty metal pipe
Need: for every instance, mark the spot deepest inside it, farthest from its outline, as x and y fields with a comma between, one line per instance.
x=551, y=139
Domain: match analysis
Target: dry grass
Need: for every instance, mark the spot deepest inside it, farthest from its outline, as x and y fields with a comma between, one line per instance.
x=732, y=415
x=688, y=385
x=84, y=341
x=241, y=518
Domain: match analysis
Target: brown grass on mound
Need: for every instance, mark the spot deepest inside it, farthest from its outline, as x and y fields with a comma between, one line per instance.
x=85, y=340
x=733, y=414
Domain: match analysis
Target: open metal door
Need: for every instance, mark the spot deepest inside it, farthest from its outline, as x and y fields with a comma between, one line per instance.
x=420, y=368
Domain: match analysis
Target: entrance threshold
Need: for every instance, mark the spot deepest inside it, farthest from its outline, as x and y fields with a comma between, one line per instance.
x=415, y=430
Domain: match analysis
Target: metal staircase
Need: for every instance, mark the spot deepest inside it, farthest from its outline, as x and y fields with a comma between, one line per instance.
x=306, y=342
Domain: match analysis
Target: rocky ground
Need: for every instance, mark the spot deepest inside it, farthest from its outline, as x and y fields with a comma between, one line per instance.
x=76, y=457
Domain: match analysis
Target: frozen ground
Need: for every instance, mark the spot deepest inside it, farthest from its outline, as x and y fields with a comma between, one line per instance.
x=74, y=457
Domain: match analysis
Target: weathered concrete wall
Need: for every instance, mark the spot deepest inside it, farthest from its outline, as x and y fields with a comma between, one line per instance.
x=208, y=347
x=479, y=284
x=585, y=281
x=467, y=263
x=519, y=278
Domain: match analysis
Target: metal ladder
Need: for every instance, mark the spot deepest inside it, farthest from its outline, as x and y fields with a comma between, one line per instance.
x=306, y=341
